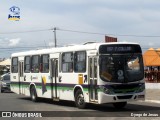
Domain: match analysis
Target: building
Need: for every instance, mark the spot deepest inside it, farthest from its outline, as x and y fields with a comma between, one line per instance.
x=151, y=60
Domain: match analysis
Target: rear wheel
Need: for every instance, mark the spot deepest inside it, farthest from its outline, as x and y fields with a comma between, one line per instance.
x=79, y=99
x=120, y=105
x=2, y=91
x=33, y=94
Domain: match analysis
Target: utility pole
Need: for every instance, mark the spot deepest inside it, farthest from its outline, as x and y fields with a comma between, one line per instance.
x=55, y=39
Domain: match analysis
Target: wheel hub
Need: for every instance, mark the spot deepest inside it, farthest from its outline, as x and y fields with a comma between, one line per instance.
x=81, y=100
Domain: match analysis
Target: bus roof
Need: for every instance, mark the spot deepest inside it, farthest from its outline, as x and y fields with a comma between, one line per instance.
x=90, y=46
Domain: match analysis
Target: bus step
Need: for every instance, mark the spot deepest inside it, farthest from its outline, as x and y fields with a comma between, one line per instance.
x=55, y=99
x=94, y=101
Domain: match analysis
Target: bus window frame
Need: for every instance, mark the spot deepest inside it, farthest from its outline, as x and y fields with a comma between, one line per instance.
x=76, y=61
x=41, y=64
x=72, y=62
x=14, y=65
x=34, y=64
x=30, y=57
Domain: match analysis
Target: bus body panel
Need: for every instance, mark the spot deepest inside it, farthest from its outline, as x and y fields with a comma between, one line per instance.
x=104, y=98
x=65, y=84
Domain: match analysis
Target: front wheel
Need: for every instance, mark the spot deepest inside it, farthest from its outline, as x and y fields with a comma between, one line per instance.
x=79, y=99
x=33, y=94
x=120, y=105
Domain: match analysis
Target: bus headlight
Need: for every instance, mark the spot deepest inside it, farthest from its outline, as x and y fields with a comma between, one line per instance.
x=106, y=90
x=141, y=88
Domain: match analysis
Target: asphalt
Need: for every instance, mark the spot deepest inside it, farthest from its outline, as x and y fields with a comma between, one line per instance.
x=153, y=95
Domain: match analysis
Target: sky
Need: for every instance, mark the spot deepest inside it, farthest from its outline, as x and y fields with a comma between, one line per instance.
x=129, y=20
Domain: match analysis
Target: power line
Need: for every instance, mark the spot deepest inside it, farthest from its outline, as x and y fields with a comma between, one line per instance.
x=84, y=32
x=108, y=33
x=81, y=32
x=29, y=31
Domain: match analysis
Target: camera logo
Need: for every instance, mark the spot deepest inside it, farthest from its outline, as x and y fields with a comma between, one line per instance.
x=14, y=13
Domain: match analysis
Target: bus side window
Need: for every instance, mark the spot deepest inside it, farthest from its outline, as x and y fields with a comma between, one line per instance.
x=35, y=64
x=27, y=64
x=80, y=61
x=45, y=63
x=67, y=62
x=14, y=68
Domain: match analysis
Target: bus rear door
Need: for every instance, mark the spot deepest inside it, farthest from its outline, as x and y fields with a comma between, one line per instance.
x=21, y=78
x=54, y=79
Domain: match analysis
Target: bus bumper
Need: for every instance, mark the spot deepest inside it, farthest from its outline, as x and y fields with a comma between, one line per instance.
x=106, y=98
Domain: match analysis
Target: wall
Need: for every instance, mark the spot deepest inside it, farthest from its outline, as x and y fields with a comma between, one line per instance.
x=152, y=85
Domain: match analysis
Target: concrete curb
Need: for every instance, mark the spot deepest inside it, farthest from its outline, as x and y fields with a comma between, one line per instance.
x=153, y=101
x=152, y=86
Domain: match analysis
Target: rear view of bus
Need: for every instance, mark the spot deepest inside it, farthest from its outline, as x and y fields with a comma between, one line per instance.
x=121, y=74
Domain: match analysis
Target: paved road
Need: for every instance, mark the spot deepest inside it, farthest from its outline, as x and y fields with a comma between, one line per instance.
x=20, y=103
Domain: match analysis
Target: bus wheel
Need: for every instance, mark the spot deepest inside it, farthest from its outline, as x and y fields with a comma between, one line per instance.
x=2, y=91
x=33, y=94
x=79, y=99
x=120, y=105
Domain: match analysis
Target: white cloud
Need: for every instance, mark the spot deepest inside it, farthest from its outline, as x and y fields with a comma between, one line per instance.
x=14, y=42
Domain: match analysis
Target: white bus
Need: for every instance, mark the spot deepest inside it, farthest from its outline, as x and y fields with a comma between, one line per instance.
x=95, y=73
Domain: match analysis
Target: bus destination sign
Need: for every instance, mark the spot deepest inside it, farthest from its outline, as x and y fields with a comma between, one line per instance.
x=119, y=48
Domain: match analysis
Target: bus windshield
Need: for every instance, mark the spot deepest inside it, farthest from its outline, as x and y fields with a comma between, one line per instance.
x=121, y=68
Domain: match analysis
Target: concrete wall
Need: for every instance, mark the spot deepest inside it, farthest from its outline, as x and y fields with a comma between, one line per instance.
x=152, y=85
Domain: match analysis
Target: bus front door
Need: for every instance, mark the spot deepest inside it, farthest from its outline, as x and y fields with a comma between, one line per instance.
x=21, y=79
x=93, y=79
x=54, y=79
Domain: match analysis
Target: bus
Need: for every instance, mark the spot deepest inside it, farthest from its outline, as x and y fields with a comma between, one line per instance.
x=95, y=73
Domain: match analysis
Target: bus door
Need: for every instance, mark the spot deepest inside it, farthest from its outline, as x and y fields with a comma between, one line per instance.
x=93, y=78
x=21, y=78
x=54, y=79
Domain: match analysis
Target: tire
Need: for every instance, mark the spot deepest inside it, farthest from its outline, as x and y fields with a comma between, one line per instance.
x=2, y=91
x=33, y=94
x=79, y=99
x=120, y=105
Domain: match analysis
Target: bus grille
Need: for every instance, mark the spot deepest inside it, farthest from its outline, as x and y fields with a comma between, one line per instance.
x=125, y=97
x=129, y=88
x=124, y=91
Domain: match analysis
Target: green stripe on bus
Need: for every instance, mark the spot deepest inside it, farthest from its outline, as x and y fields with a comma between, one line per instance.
x=49, y=87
